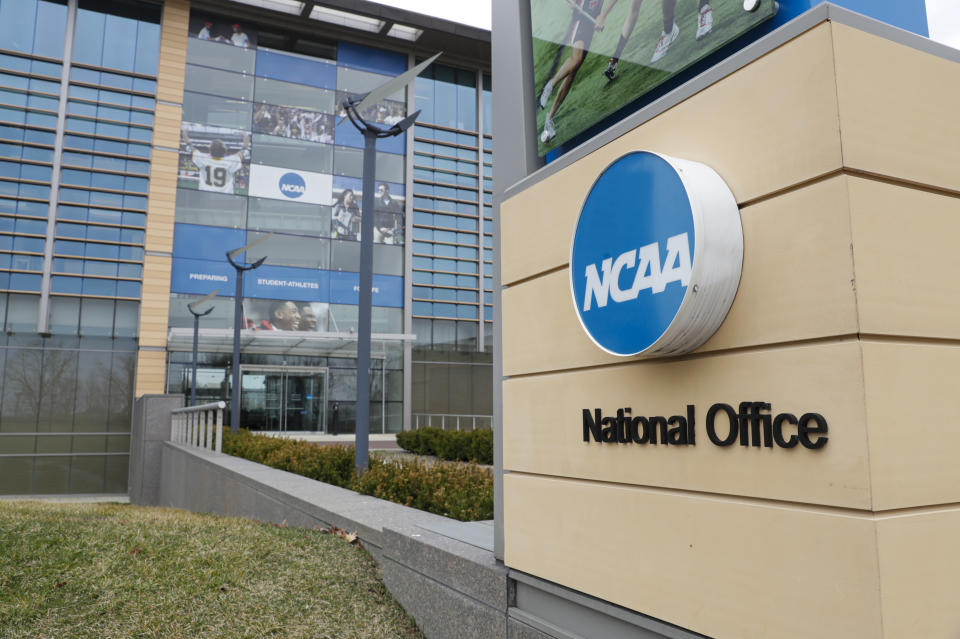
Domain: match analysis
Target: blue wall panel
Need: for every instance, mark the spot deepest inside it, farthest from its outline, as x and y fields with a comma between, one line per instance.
x=287, y=283
x=345, y=289
x=291, y=68
x=206, y=242
x=199, y=277
x=357, y=56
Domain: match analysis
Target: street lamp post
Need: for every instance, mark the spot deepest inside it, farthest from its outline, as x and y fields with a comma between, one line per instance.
x=371, y=132
x=192, y=306
x=237, y=325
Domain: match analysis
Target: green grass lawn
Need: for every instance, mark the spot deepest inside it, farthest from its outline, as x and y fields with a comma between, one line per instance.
x=591, y=96
x=110, y=571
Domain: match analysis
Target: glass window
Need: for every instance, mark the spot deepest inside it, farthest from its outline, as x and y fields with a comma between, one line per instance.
x=33, y=227
x=148, y=48
x=290, y=217
x=64, y=315
x=292, y=154
x=128, y=289
x=103, y=288
x=354, y=81
x=386, y=320
x=291, y=250
x=126, y=320
x=106, y=251
x=422, y=308
x=348, y=162
x=64, y=265
x=12, y=115
x=217, y=82
x=487, y=105
x=17, y=24
x=294, y=95
x=13, y=98
x=13, y=62
x=424, y=100
x=445, y=294
x=215, y=54
x=345, y=255
x=28, y=244
x=212, y=209
x=295, y=68
x=88, y=37
x=119, y=42
x=25, y=282
x=217, y=111
x=388, y=260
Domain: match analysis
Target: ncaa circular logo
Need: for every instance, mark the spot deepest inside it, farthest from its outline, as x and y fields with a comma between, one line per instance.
x=292, y=185
x=656, y=256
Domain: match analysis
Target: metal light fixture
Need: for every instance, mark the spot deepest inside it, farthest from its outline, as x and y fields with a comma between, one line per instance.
x=371, y=132
x=237, y=321
x=192, y=307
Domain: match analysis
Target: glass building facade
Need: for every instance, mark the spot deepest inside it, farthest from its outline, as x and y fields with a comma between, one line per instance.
x=452, y=266
x=261, y=153
x=77, y=88
x=274, y=112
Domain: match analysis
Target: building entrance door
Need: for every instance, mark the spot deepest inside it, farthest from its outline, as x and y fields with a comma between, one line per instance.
x=283, y=398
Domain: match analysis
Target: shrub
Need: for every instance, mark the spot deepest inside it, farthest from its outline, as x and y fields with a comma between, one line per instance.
x=475, y=446
x=329, y=464
x=483, y=446
x=460, y=491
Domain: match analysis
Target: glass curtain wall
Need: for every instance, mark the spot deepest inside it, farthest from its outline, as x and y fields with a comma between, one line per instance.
x=72, y=220
x=261, y=152
x=452, y=248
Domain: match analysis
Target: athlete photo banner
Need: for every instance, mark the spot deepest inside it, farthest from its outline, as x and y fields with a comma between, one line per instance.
x=594, y=57
x=291, y=185
x=214, y=158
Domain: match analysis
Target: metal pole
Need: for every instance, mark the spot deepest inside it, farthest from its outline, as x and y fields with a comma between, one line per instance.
x=366, y=300
x=235, y=374
x=193, y=381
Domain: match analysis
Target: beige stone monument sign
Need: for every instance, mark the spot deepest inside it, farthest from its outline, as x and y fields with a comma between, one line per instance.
x=842, y=149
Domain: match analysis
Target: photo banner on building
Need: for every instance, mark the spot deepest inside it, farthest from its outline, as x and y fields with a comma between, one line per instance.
x=594, y=57
x=214, y=158
x=291, y=185
x=293, y=122
x=287, y=315
x=388, y=212
x=386, y=112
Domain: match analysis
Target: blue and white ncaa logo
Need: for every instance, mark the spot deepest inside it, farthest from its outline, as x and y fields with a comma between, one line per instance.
x=292, y=185
x=656, y=256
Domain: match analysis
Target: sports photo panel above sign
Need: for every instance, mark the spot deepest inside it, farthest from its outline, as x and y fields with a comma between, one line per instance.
x=656, y=256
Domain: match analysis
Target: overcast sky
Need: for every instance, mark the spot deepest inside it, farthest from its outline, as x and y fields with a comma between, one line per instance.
x=942, y=15
x=476, y=13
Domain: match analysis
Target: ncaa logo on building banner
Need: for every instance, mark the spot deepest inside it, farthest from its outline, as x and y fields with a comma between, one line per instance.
x=292, y=185
x=656, y=256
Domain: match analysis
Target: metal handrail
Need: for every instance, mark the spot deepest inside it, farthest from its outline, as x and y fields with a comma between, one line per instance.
x=459, y=421
x=198, y=425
